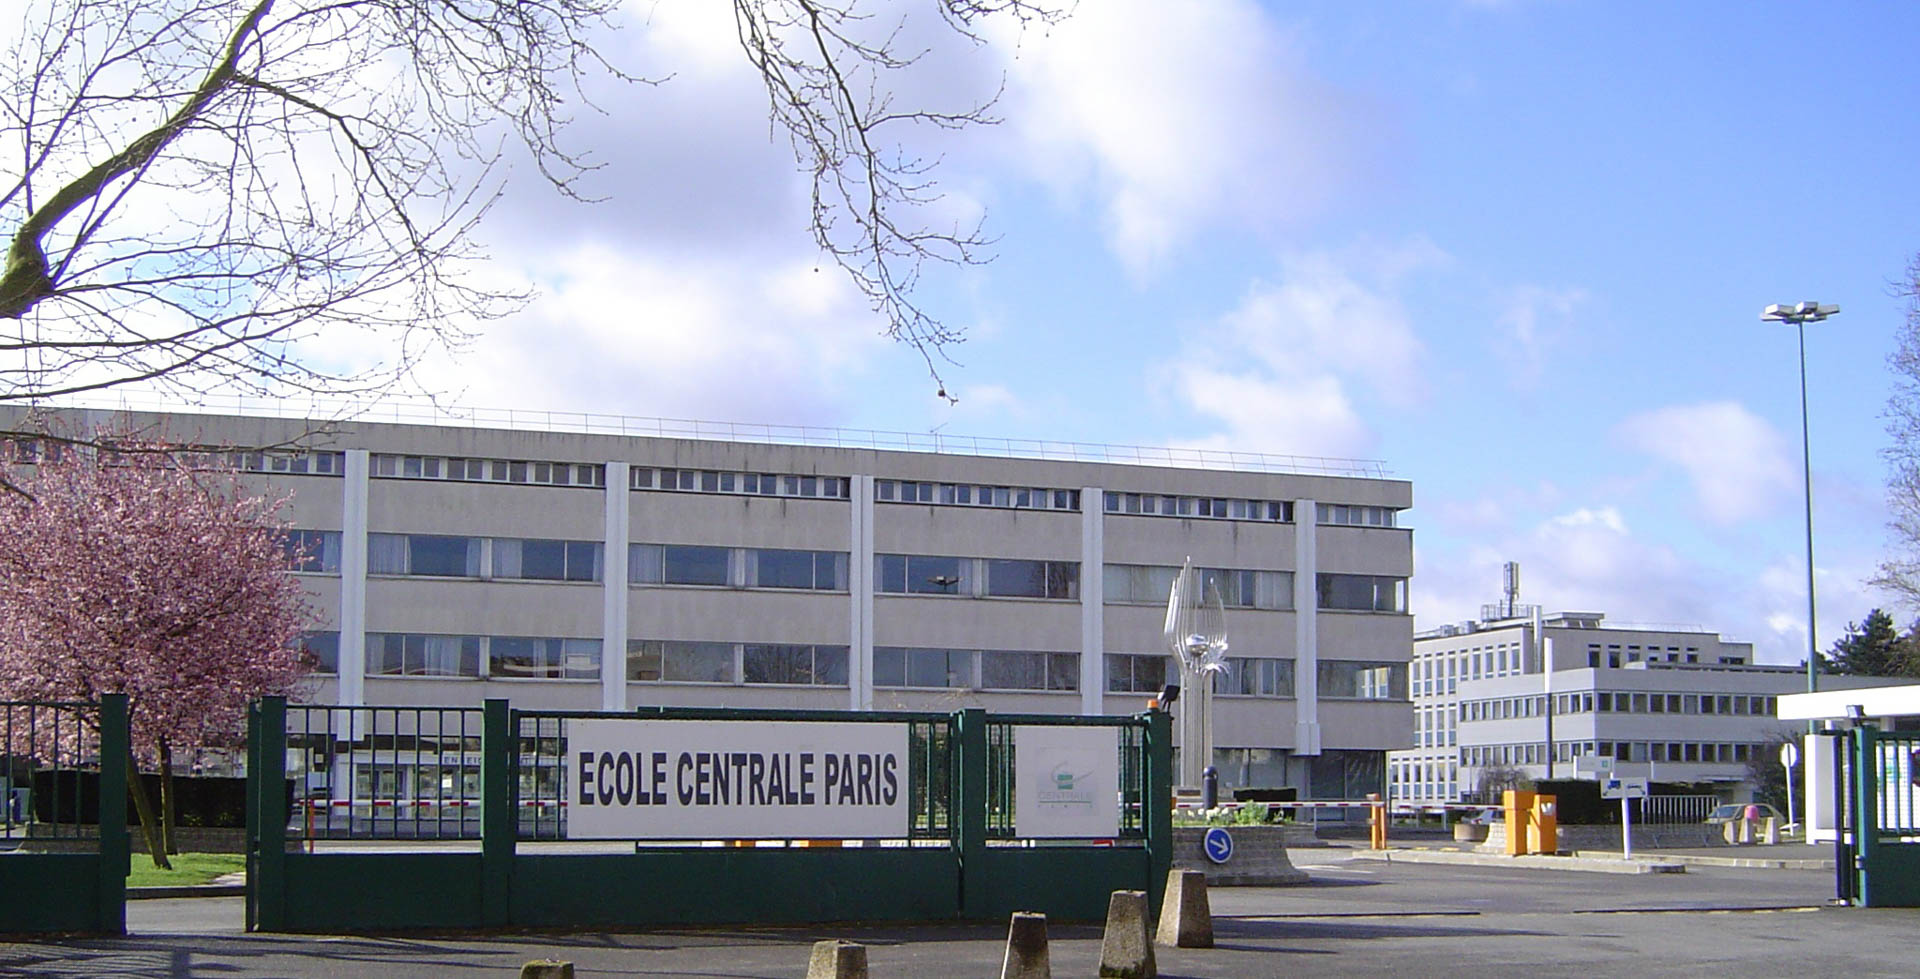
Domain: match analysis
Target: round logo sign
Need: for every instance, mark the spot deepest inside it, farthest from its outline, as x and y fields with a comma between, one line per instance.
x=1218, y=844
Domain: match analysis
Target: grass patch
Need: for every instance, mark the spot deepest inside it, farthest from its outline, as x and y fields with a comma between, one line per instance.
x=188, y=869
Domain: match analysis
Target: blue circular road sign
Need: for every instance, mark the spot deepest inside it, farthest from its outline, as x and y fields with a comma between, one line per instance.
x=1218, y=844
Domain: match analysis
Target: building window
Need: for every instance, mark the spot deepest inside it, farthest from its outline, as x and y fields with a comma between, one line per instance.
x=679, y=564
x=547, y=560
x=1362, y=593
x=1022, y=670
x=1158, y=505
x=423, y=555
x=1149, y=585
x=398, y=654
x=800, y=665
x=524, y=656
x=896, y=666
x=1135, y=673
x=1341, y=514
x=958, y=494
x=1258, y=677
x=1033, y=579
x=389, y=466
x=1362, y=681
x=813, y=570
x=742, y=483
x=322, y=649
x=650, y=660
x=312, y=551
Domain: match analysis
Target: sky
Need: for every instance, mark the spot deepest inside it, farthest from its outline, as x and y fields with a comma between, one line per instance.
x=1515, y=250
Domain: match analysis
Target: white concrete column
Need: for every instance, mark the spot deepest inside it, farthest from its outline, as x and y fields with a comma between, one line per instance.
x=353, y=579
x=1093, y=600
x=860, y=593
x=1306, y=606
x=613, y=568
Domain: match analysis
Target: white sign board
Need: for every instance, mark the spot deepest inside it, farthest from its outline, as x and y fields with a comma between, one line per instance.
x=675, y=780
x=1623, y=788
x=1592, y=764
x=1066, y=781
x=1789, y=755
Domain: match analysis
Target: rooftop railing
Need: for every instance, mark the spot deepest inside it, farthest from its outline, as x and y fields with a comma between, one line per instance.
x=416, y=412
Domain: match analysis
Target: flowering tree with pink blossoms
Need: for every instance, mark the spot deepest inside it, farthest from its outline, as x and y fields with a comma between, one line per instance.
x=150, y=572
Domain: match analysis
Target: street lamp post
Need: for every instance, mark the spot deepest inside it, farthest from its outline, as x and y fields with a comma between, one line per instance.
x=1800, y=315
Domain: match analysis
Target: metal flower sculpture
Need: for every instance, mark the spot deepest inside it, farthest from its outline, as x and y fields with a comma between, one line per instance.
x=1196, y=632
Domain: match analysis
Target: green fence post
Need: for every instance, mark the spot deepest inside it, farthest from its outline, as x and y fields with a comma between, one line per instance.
x=268, y=786
x=970, y=809
x=1157, y=803
x=253, y=815
x=496, y=814
x=114, y=849
x=1866, y=808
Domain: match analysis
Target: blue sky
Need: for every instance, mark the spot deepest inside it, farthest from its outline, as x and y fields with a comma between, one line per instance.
x=1515, y=250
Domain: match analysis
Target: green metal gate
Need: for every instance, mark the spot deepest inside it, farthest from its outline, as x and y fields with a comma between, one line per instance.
x=63, y=817
x=444, y=778
x=1878, y=863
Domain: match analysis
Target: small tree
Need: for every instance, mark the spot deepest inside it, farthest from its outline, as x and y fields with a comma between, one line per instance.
x=1765, y=773
x=1870, y=648
x=1900, y=574
x=148, y=572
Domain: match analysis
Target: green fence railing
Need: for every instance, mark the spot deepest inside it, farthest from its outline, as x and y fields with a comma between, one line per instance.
x=63, y=816
x=955, y=857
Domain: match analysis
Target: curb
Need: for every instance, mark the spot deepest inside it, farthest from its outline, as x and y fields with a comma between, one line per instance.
x=1577, y=864
x=194, y=890
x=1702, y=860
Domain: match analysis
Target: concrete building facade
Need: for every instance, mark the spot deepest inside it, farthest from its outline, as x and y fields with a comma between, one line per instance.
x=599, y=570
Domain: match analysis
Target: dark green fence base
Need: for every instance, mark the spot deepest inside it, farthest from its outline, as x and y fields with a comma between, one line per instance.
x=51, y=892
x=77, y=893
x=1066, y=883
x=713, y=886
x=400, y=891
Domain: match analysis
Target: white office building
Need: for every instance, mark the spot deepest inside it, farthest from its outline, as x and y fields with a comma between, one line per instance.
x=1494, y=698
x=580, y=565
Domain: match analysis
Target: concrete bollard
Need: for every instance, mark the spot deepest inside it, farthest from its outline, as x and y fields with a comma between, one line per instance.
x=1185, y=919
x=834, y=959
x=546, y=969
x=1026, y=948
x=1126, y=951
x=1770, y=831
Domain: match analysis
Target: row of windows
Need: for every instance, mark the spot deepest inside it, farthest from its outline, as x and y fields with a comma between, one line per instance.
x=1262, y=677
x=790, y=664
x=974, y=669
x=1159, y=505
x=1505, y=708
x=443, y=556
x=743, y=483
x=1706, y=753
x=386, y=465
x=1424, y=780
x=1341, y=514
x=1150, y=584
x=919, y=574
x=27, y=451
x=1440, y=673
x=968, y=494
x=1361, y=592
x=690, y=564
x=673, y=661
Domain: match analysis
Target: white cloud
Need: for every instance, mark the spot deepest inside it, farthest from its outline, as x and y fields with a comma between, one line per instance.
x=1739, y=464
x=1534, y=320
x=644, y=333
x=1208, y=116
x=1286, y=370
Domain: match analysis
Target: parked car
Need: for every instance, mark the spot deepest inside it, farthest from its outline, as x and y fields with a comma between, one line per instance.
x=1733, y=811
x=1487, y=816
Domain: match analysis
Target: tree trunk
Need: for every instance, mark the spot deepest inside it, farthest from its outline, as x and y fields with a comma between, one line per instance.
x=149, y=826
x=168, y=805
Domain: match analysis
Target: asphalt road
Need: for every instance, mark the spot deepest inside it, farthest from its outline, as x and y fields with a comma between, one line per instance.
x=1356, y=918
